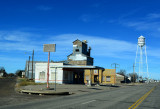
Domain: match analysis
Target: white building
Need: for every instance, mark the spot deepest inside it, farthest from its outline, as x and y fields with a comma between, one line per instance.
x=61, y=76
x=64, y=73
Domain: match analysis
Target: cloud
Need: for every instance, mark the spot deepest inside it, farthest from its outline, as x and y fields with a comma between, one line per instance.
x=8, y=46
x=17, y=40
x=23, y=41
x=152, y=28
x=14, y=36
x=143, y=25
x=149, y=22
x=152, y=16
x=101, y=46
x=44, y=8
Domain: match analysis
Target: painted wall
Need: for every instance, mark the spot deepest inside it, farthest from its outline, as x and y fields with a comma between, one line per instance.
x=108, y=73
x=94, y=75
x=76, y=57
x=114, y=78
x=41, y=73
x=87, y=75
x=108, y=76
x=119, y=78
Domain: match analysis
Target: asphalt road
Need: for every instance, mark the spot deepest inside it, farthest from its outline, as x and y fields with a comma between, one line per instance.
x=119, y=98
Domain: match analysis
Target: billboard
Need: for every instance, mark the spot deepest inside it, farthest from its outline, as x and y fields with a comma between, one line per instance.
x=49, y=47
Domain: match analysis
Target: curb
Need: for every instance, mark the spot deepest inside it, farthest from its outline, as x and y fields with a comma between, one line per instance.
x=44, y=92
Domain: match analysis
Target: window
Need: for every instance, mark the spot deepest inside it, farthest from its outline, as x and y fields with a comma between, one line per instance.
x=95, y=71
x=42, y=75
x=87, y=77
x=77, y=50
x=108, y=78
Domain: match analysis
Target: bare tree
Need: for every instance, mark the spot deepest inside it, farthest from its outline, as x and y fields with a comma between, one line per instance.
x=122, y=72
x=19, y=73
x=133, y=76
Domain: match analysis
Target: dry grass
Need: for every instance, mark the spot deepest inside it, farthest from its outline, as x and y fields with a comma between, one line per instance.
x=25, y=82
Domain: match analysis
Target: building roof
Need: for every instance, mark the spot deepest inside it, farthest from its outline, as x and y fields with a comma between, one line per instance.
x=118, y=75
x=73, y=66
x=77, y=40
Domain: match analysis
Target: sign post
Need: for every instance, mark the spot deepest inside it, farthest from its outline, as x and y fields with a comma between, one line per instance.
x=48, y=48
x=55, y=79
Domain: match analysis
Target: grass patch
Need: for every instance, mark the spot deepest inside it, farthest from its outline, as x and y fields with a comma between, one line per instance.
x=25, y=82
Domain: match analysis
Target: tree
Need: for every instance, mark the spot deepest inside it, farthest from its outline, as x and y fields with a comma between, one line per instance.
x=11, y=75
x=122, y=72
x=2, y=70
x=19, y=73
x=133, y=76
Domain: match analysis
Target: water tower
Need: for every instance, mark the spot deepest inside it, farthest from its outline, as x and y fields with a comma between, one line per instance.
x=142, y=62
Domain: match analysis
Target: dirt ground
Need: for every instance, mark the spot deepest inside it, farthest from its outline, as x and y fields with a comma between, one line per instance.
x=8, y=95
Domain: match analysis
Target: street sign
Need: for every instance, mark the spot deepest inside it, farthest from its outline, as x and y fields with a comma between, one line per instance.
x=49, y=47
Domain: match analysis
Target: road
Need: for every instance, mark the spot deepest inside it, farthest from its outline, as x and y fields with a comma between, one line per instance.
x=119, y=98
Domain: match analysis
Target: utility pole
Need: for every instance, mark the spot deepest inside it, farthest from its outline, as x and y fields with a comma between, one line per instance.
x=28, y=66
x=32, y=62
x=133, y=73
x=115, y=66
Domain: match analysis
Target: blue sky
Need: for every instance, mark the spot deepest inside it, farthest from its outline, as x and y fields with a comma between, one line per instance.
x=110, y=26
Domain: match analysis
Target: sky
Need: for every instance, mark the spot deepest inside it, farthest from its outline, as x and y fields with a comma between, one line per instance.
x=111, y=28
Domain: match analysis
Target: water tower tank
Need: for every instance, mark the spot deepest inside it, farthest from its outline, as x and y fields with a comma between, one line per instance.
x=141, y=41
